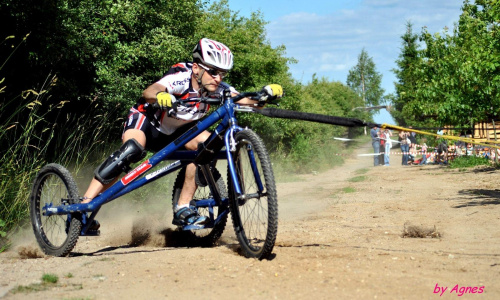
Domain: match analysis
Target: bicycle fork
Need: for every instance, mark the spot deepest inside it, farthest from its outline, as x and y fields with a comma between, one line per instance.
x=235, y=171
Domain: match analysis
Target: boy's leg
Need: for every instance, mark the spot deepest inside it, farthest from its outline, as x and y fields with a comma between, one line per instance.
x=189, y=186
x=96, y=187
x=184, y=215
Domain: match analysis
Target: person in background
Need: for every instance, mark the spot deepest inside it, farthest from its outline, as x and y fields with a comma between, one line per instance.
x=412, y=146
x=381, y=158
x=404, y=143
x=460, y=145
x=388, y=146
x=374, y=133
x=442, y=155
x=423, y=161
x=469, y=149
x=452, y=151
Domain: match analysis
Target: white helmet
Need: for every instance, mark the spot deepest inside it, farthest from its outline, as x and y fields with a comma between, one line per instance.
x=213, y=54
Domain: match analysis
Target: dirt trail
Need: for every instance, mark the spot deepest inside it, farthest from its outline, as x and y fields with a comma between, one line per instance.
x=338, y=238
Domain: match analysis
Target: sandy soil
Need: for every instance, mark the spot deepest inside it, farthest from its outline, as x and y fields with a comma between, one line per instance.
x=338, y=238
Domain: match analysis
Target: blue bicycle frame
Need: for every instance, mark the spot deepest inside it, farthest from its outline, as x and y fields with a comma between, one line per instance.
x=139, y=176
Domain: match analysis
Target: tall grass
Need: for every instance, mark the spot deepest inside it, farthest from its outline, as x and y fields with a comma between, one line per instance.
x=22, y=154
x=30, y=137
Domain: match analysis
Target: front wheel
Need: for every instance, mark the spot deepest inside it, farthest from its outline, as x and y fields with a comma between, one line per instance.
x=57, y=234
x=255, y=210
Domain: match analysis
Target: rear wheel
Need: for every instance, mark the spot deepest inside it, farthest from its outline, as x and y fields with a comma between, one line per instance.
x=208, y=236
x=255, y=211
x=57, y=234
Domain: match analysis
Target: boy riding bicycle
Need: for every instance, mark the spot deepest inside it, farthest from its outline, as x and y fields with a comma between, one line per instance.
x=159, y=118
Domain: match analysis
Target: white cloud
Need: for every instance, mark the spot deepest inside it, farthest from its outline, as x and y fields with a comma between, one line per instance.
x=329, y=44
x=327, y=36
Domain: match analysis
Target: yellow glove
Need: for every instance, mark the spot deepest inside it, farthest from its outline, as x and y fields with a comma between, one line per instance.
x=273, y=91
x=165, y=100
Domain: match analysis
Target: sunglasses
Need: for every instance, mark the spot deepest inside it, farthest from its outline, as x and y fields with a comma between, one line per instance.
x=213, y=72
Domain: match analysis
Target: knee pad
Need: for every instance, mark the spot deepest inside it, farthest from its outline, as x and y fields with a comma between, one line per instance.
x=130, y=152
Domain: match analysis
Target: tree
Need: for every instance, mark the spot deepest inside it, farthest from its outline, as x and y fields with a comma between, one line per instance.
x=458, y=75
x=407, y=63
x=365, y=80
x=256, y=63
x=106, y=50
x=100, y=55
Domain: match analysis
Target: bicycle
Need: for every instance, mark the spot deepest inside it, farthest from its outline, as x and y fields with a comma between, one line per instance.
x=58, y=218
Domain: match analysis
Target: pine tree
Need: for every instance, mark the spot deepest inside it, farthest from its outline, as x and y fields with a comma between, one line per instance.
x=405, y=86
x=365, y=80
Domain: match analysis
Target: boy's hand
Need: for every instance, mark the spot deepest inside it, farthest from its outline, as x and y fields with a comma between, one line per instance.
x=272, y=92
x=166, y=101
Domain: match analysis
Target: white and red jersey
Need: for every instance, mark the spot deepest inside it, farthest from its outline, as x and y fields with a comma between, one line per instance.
x=177, y=81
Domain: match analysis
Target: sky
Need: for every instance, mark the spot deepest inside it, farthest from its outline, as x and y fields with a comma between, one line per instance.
x=327, y=36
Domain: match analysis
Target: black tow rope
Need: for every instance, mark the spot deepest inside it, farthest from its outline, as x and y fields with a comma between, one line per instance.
x=290, y=114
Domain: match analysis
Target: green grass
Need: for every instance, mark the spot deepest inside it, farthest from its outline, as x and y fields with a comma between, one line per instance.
x=48, y=281
x=50, y=278
x=2, y=224
x=358, y=179
x=35, y=287
x=362, y=171
x=349, y=189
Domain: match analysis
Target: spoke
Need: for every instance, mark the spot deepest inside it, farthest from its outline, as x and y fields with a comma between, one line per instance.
x=54, y=226
x=254, y=212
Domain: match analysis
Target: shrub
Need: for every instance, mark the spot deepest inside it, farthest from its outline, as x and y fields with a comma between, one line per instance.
x=468, y=162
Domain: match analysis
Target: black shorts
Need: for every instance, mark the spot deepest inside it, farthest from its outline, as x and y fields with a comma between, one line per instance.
x=155, y=140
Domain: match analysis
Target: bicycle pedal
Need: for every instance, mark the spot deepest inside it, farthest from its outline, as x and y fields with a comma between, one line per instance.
x=193, y=227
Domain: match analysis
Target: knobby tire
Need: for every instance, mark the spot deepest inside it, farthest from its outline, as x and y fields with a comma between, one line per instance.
x=255, y=219
x=52, y=184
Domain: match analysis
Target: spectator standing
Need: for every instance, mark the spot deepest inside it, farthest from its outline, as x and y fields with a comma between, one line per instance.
x=442, y=147
x=374, y=133
x=381, y=157
x=412, y=146
x=388, y=145
x=403, y=139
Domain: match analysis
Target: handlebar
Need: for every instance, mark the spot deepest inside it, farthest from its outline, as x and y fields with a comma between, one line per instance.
x=218, y=100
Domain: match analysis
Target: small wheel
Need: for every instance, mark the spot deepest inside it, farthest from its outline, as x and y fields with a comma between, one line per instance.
x=255, y=211
x=57, y=234
x=206, y=237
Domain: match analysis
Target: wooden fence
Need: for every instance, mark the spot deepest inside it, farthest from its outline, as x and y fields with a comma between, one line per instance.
x=487, y=132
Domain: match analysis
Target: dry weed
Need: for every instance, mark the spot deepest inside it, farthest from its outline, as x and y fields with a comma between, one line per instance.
x=413, y=231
